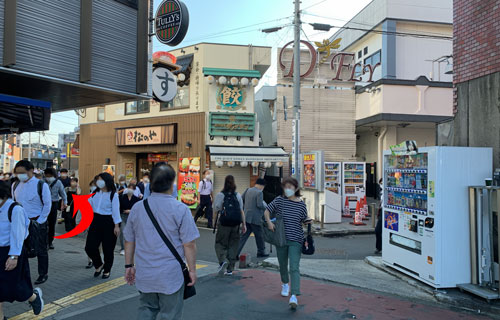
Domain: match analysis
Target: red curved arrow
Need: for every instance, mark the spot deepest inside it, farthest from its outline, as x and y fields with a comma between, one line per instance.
x=82, y=204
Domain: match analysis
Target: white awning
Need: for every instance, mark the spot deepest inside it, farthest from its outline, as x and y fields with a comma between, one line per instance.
x=250, y=154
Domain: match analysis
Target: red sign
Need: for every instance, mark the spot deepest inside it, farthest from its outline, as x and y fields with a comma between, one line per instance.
x=337, y=64
x=160, y=157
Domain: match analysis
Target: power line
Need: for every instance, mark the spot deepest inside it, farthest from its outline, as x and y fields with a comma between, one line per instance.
x=313, y=5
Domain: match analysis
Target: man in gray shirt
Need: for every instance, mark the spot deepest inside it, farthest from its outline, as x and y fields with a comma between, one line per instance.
x=254, y=208
x=59, y=201
x=156, y=273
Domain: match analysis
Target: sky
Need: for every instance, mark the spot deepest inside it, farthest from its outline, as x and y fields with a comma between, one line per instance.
x=237, y=22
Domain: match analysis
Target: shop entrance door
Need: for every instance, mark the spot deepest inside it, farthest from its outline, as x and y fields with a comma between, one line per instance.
x=371, y=180
x=143, y=165
x=146, y=161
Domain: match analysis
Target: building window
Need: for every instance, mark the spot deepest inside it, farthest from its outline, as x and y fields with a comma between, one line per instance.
x=365, y=50
x=134, y=107
x=181, y=100
x=374, y=58
x=101, y=114
x=358, y=71
x=360, y=54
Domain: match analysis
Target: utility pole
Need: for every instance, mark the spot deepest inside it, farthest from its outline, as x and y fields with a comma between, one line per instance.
x=296, y=92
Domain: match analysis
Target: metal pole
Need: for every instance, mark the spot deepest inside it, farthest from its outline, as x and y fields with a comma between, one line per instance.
x=4, y=142
x=29, y=147
x=296, y=91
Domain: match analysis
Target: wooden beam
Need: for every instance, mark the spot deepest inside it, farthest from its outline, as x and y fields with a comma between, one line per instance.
x=9, y=33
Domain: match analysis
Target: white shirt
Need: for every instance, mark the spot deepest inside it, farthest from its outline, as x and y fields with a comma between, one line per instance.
x=26, y=194
x=13, y=233
x=137, y=192
x=102, y=205
x=205, y=188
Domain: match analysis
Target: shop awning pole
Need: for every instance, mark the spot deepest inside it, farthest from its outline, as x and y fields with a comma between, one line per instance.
x=29, y=146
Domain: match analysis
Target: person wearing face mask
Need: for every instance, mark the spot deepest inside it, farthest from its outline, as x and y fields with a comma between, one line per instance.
x=65, y=179
x=127, y=201
x=35, y=197
x=121, y=185
x=58, y=194
x=205, y=196
x=294, y=213
x=137, y=191
x=144, y=182
x=69, y=219
x=105, y=227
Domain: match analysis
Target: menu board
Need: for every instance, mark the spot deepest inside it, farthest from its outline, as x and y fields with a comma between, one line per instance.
x=188, y=181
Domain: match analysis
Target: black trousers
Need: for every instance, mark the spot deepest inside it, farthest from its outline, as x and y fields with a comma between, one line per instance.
x=101, y=231
x=205, y=205
x=40, y=237
x=378, y=234
x=69, y=220
x=52, y=219
x=259, y=238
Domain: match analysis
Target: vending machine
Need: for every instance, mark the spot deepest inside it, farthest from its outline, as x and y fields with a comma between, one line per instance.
x=426, y=211
x=353, y=185
x=333, y=192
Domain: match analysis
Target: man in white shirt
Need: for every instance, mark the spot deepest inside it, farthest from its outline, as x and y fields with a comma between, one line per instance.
x=35, y=197
x=205, y=196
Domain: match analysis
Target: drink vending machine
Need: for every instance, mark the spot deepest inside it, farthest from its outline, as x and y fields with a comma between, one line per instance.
x=426, y=211
x=333, y=192
x=353, y=185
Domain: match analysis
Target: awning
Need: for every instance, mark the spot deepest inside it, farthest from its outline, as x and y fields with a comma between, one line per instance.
x=18, y=115
x=231, y=72
x=250, y=154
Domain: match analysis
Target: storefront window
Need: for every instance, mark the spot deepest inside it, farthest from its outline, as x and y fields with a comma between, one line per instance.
x=134, y=107
x=101, y=114
x=181, y=100
x=374, y=58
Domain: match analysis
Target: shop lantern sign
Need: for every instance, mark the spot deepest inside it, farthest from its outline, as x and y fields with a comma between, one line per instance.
x=164, y=85
x=230, y=98
x=343, y=65
x=171, y=22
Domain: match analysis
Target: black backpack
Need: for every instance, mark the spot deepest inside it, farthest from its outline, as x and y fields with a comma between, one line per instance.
x=11, y=208
x=39, y=188
x=230, y=215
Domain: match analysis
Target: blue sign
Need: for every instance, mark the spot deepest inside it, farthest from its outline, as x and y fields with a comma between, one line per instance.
x=63, y=155
x=391, y=221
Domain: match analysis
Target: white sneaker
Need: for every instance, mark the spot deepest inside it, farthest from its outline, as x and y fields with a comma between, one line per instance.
x=122, y=253
x=293, y=302
x=285, y=290
x=222, y=268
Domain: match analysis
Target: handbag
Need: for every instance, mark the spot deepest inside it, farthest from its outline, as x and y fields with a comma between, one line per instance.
x=309, y=249
x=189, y=291
x=276, y=237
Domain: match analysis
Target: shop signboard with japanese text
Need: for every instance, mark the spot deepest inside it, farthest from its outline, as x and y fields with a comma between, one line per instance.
x=188, y=181
x=137, y=136
x=312, y=165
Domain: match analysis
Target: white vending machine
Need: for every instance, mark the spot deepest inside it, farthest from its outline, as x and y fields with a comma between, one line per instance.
x=333, y=192
x=426, y=211
x=353, y=185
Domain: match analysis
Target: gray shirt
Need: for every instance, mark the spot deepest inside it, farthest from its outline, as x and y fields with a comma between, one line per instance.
x=254, y=205
x=157, y=270
x=57, y=191
x=219, y=201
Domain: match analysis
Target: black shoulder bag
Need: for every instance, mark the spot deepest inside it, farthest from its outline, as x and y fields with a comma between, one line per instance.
x=309, y=249
x=189, y=291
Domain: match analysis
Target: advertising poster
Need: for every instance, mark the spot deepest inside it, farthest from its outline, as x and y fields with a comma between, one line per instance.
x=391, y=221
x=129, y=170
x=310, y=170
x=189, y=179
x=109, y=168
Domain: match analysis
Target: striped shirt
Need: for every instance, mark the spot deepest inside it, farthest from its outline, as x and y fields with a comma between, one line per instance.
x=294, y=214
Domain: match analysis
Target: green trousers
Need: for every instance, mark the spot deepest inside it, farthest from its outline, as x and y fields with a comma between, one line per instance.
x=291, y=252
x=227, y=240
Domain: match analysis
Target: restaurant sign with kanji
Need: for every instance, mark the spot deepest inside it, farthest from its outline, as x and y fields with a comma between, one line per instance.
x=231, y=98
x=165, y=134
x=232, y=124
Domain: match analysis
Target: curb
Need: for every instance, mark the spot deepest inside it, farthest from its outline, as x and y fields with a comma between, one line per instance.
x=342, y=233
x=463, y=303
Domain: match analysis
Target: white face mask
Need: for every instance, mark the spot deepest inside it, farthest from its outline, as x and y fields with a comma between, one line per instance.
x=51, y=179
x=289, y=192
x=145, y=180
x=127, y=191
x=2, y=177
x=64, y=175
x=208, y=177
x=100, y=184
x=122, y=183
x=23, y=177
x=92, y=189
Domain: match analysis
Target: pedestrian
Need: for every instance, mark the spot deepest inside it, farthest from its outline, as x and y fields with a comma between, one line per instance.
x=105, y=227
x=65, y=179
x=127, y=201
x=157, y=274
x=15, y=279
x=59, y=201
x=205, y=199
x=254, y=207
x=294, y=212
x=229, y=208
x=35, y=197
x=144, y=181
x=121, y=185
x=70, y=215
x=92, y=188
x=378, y=227
x=137, y=190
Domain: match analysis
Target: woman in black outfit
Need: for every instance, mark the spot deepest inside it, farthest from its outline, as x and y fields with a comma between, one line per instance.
x=69, y=218
x=127, y=201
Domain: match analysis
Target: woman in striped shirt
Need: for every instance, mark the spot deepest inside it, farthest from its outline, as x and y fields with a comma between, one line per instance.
x=294, y=213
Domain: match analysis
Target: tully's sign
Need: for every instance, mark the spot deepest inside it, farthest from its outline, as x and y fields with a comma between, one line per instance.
x=340, y=62
x=171, y=22
x=166, y=134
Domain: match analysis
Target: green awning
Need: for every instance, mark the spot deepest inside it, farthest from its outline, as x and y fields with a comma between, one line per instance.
x=231, y=72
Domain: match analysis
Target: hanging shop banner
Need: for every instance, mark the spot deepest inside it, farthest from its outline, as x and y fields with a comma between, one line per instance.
x=166, y=134
x=232, y=124
x=109, y=168
x=406, y=148
x=188, y=181
x=230, y=97
x=129, y=170
x=312, y=166
x=171, y=22
x=164, y=85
